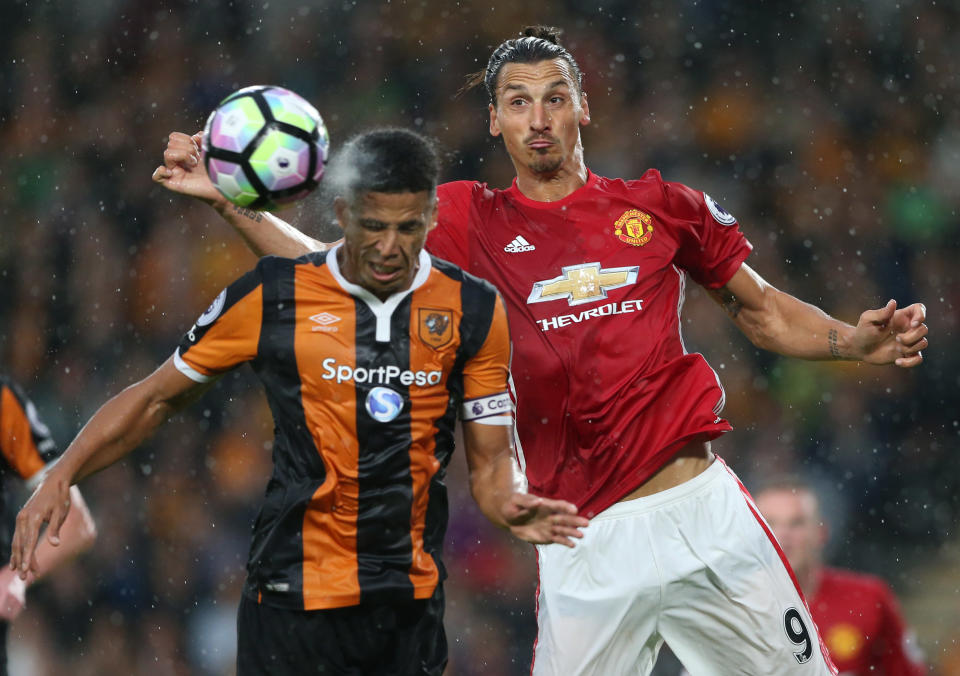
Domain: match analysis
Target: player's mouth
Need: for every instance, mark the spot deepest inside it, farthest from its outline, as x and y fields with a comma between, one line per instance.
x=384, y=273
x=539, y=144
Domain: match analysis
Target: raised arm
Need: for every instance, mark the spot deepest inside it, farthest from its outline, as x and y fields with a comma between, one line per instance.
x=183, y=172
x=499, y=489
x=777, y=321
x=117, y=428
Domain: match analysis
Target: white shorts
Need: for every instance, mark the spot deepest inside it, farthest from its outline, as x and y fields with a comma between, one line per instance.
x=695, y=565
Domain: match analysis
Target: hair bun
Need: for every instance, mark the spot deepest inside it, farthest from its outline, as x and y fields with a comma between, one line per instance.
x=548, y=33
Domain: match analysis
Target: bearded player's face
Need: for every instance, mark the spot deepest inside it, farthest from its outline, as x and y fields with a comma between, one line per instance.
x=383, y=234
x=539, y=112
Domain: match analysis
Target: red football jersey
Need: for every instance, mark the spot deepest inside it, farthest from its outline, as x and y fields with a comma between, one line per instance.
x=594, y=283
x=860, y=622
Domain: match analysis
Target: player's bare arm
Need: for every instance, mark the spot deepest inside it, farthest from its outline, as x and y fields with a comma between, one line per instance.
x=499, y=489
x=777, y=321
x=116, y=428
x=183, y=172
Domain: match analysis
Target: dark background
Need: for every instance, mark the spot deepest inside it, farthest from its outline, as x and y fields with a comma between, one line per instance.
x=830, y=129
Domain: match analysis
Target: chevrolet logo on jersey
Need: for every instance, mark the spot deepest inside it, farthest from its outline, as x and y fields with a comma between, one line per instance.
x=584, y=283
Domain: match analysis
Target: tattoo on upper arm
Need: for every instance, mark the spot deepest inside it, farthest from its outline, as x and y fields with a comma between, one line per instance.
x=832, y=337
x=249, y=213
x=730, y=304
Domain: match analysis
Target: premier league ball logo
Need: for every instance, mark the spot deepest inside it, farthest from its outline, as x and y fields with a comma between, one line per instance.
x=383, y=404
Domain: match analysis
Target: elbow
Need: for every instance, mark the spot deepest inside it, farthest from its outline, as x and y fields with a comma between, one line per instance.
x=765, y=327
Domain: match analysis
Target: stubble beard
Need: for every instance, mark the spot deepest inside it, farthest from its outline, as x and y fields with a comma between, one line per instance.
x=546, y=165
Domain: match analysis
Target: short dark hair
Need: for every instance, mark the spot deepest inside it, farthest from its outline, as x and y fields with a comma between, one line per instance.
x=387, y=160
x=538, y=43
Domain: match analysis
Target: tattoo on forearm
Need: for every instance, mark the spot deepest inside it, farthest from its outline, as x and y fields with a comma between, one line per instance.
x=729, y=302
x=249, y=213
x=832, y=337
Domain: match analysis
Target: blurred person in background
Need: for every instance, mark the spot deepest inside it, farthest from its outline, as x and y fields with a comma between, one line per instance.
x=345, y=572
x=613, y=414
x=26, y=448
x=857, y=614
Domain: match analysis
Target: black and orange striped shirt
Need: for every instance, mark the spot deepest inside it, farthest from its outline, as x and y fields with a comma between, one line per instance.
x=364, y=396
x=25, y=445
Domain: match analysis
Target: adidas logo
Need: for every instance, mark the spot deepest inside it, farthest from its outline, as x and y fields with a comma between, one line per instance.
x=519, y=244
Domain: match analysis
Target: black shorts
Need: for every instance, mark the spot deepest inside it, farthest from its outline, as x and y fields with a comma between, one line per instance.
x=396, y=639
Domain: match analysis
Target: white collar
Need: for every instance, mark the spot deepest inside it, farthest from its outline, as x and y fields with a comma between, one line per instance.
x=382, y=309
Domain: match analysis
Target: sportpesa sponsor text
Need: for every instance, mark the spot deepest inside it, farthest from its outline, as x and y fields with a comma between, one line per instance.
x=381, y=375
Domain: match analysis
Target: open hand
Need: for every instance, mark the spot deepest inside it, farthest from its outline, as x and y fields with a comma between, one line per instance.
x=543, y=521
x=49, y=504
x=182, y=170
x=889, y=335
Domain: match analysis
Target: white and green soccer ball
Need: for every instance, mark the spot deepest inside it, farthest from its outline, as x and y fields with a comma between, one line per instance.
x=265, y=147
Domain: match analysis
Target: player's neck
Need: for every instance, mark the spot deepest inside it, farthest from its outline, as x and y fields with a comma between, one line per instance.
x=553, y=186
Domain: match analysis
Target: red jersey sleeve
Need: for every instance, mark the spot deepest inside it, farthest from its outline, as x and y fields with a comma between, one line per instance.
x=227, y=333
x=711, y=246
x=898, y=648
x=485, y=389
x=449, y=239
x=25, y=442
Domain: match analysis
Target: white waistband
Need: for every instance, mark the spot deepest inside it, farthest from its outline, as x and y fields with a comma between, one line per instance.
x=649, y=503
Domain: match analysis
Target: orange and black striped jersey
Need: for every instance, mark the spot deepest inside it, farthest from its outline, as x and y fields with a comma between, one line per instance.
x=364, y=395
x=25, y=445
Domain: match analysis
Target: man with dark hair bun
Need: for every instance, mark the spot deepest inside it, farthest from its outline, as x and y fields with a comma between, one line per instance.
x=613, y=414
x=368, y=354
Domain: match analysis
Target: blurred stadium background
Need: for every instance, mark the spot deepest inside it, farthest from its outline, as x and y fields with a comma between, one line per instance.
x=831, y=129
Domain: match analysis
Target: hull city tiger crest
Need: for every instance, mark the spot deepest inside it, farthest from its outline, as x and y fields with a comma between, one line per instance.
x=435, y=327
x=634, y=227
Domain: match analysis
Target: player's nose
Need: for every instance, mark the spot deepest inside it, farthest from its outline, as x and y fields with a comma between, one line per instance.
x=388, y=243
x=539, y=117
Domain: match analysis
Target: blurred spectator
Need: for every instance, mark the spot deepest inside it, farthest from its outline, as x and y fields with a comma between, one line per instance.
x=857, y=615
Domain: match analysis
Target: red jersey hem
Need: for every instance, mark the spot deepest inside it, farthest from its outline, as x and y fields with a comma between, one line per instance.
x=593, y=506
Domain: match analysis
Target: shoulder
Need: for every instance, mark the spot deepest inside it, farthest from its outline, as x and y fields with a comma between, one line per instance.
x=651, y=189
x=649, y=180
x=269, y=267
x=478, y=297
x=458, y=274
x=456, y=193
x=462, y=193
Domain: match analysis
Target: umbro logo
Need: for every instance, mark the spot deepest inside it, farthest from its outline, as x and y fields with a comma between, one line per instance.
x=518, y=245
x=324, y=321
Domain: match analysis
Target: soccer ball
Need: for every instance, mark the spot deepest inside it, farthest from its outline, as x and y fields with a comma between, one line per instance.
x=264, y=147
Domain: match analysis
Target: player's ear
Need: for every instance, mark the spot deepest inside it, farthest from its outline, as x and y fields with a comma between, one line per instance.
x=494, y=123
x=434, y=212
x=340, y=208
x=584, y=110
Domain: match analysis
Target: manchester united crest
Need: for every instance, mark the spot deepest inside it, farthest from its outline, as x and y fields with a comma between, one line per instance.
x=435, y=326
x=634, y=227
